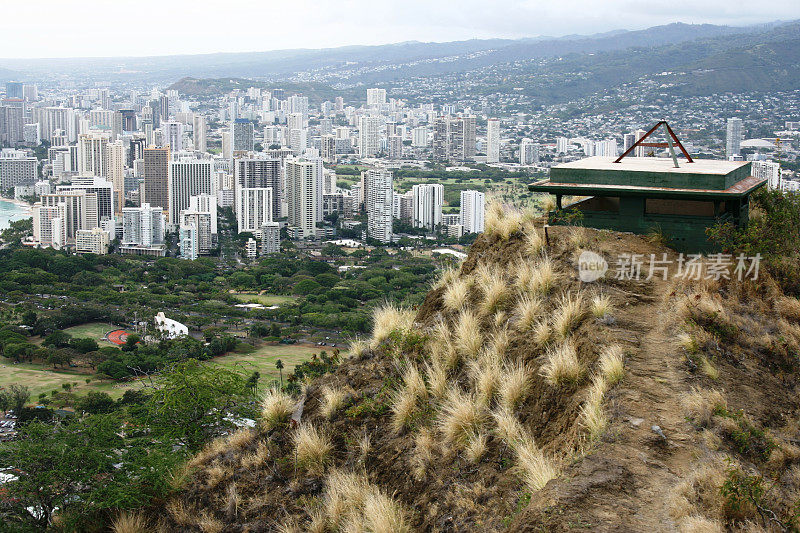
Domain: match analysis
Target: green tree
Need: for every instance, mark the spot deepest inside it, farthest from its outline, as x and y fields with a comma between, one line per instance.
x=59, y=339
x=19, y=394
x=192, y=402
x=279, y=366
x=96, y=403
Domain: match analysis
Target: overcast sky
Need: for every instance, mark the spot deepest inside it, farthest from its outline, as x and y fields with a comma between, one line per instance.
x=70, y=28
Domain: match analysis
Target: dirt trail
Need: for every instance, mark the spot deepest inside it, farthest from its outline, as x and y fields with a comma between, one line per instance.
x=624, y=483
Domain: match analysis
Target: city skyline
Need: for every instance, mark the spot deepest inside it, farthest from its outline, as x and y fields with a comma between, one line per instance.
x=371, y=24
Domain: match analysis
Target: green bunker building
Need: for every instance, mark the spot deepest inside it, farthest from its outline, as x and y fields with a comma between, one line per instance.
x=643, y=194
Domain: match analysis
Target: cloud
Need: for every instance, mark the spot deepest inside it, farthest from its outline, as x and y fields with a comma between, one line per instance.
x=53, y=28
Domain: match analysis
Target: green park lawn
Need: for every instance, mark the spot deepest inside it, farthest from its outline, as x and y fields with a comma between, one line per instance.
x=263, y=299
x=92, y=330
x=41, y=378
x=263, y=359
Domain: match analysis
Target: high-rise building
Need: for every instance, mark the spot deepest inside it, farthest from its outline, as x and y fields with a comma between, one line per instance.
x=14, y=89
x=733, y=138
x=187, y=178
x=156, y=177
x=172, y=133
x=768, y=170
x=142, y=226
x=115, y=155
x=454, y=138
x=473, y=205
x=188, y=241
x=376, y=97
x=493, y=140
x=102, y=208
x=270, y=237
x=16, y=168
x=428, y=205
x=243, y=135
x=379, y=200
x=304, y=196
x=93, y=154
x=419, y=137
x=200, y=222
x=199, y=130
x=258, y=173
x=227, y=145
x=77, y=210
x=92, y=241
x=562, y=144
x=395, y=147
x=205, y=203
x=48, y=225
x=253, y=208
x=528, y=152
x=368, y=136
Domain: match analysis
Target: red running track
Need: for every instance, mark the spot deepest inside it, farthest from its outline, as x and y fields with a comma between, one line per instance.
x=118, y=336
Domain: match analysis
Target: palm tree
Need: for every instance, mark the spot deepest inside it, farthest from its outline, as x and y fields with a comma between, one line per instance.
x=279, y=366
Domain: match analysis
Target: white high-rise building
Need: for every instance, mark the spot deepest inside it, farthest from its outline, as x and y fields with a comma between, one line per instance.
x=115, y=154
x=142, y=226
x=102, y=206
x=768, y=170
x=562, y=144
x=379, y=200
x=733, y=138
x=187, y=178
x=369, y=143
x=93, y=154
x=205, y=203
x=253, y=207
x=419, y=137
x=48, y=225
x=428, y=205
x=528, y=152
x=473, y=206
x=189, y=242
x=172, y=135
x=261, y=172
x=304, y=196
x=199, y=130
x=92, y=241
x=77, y=210
x=270, y=237
x=607, y=148
x=493, y=140
x=376, y=97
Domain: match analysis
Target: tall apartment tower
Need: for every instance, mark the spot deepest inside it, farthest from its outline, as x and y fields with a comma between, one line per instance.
x=242, y=135
x=92, y=154
x=473, y=206
x=187, y=178
x=428, y=205
x=253, y=208
x=733, y=138
x=376, y=97
x=369, y=142
x=102, y=206
x=259, y=173
x=199, y=130
x=304, y=196
x=454, y=138
x=156, y=177
x=115, y=154
x=142, y=226
x=493, y=140
x=172, y=132
x=379, y=200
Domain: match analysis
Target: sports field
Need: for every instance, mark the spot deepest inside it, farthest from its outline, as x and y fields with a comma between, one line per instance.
x=98, y=331
x=263, y=359
x=263, y=299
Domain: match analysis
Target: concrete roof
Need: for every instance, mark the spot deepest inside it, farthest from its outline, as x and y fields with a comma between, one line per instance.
x=654, y=164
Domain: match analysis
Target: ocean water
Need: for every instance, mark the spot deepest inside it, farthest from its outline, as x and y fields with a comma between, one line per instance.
x=9, y=211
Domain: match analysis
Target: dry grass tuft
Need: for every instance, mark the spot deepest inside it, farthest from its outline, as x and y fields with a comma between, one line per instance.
x=422, y=455
x=612, y=365
x=332, y=400
x=700, y=524
x=455, y=295
x=495, y=291
x=460, y=416
x=495, y=212
x=562, y=365
x=509, y=428
x=130, y=522
x=534, y=242
x=476, y=448
x=708, y=368
x=699, y=405
x=535, y=469
x=210, y=524
x=689, y=343
x=239, y=439
x=406, y=399
x=312, y=449
x=357, y=347
x=485, y=374
x=257, y=457
x=542, y=333
x=529, y=308
x=509, y=224
x=698, y=494
x=514, y=385
x=467, y=335
x=436, y=376
x=789, y=308
x=383, y=514
x=350, y=503
x=592, y=416
x=276, y=408
x=387, y=319
x=602, y=306
x=568, y=314
x=543, y=277
x=447, y=276
x=578, y=237
x=182, y=515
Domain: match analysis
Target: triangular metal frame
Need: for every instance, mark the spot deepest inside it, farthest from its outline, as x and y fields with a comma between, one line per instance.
x=669, y=144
